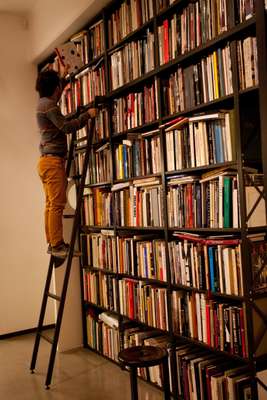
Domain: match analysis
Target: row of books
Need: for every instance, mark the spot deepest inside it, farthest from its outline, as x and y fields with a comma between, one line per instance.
x=138, y=155
x=135, y=109
x=97, y=207
x=120, y=254
x=139, y=205
x=202, y=375
x=100, y=133
x=247, y=62
x=99, y=169
x=210, y=202
x=130, y=16
x=101, y=336
x=132, y=61
x=99, y=250
x=100, y=289
x=198, y=23
x=90, y=43
x=212, y=264
x=87, y=85
x=208, y=80
x=143, y=302
x=200, y=140
x=220, y=325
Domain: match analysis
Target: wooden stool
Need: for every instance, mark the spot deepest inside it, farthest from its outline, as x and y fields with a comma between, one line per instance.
x=143, y=357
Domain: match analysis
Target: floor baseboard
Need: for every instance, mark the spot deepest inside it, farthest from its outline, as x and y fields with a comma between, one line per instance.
x=24, y=332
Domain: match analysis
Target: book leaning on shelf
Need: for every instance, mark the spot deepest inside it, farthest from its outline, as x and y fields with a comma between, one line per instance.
x=201, y=374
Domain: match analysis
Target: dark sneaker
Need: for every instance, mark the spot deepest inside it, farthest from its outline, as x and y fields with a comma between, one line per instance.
x=49, y=249
x=61, y=250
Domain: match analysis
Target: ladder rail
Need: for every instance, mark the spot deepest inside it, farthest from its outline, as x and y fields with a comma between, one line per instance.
x=42, y=315
x=70, y=256
x=53, y=261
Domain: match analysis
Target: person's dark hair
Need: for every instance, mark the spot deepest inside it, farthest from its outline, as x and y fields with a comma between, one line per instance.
x=47, y=82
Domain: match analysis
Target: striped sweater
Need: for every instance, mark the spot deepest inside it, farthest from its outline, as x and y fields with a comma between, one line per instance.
x=53, y=126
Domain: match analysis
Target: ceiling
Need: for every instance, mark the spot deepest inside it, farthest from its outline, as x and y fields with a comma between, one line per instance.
x=17, y=6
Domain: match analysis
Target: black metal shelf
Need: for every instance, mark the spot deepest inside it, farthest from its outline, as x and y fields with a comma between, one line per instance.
x=137, y=178
x=139, y=228
x=99, y=184
x=95, y=228
x=210, y=294
x=212, y=349
x=131, y=36
x=129, y=85
x=218, y=103
x=139, y=128
x=228, y=164
x=206, y=230
x=149, y=281
x=88, y=268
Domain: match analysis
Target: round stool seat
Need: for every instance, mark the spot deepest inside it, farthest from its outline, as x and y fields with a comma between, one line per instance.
x=142, y=356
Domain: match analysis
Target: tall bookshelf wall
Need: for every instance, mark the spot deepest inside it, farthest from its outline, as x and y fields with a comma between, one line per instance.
x=155, y=229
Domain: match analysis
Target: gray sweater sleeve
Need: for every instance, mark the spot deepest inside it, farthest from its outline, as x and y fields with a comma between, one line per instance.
x=66, y=125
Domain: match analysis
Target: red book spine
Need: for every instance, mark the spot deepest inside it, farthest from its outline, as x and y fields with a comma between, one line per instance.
x=166, y=40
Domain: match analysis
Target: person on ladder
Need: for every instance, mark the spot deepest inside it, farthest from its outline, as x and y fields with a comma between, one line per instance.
x=53, y=127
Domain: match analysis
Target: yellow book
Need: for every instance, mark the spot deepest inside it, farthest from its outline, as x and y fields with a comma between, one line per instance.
x=215, y=75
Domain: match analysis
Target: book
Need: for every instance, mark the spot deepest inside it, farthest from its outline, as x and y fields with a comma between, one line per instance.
x=69, y=55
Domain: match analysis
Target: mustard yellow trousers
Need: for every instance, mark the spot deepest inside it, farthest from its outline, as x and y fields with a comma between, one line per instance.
x=52, y=172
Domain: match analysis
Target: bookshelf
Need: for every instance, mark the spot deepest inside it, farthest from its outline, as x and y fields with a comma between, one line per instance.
x=173, y=253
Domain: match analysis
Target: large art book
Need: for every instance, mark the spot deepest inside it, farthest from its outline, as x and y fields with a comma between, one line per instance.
x=69, y=55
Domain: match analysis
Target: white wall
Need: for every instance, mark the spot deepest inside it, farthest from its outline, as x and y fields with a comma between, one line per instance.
x=23, y=261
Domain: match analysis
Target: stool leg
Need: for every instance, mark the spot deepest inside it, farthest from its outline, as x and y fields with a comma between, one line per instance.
x=166, y=383
x=134, y=390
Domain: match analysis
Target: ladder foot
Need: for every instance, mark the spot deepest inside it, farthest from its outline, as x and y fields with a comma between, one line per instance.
x=47, y=387
x=32, y=371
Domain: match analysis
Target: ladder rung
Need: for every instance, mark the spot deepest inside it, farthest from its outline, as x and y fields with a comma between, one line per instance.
x=68, y=215
x=54, y=296
x=47, y=338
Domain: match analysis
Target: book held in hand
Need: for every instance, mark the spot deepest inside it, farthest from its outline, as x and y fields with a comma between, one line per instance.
x=69, y=55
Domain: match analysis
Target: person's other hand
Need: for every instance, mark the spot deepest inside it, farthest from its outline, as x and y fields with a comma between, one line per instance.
x=92, y=112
